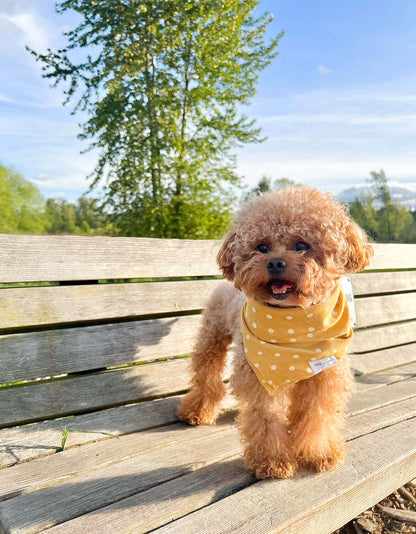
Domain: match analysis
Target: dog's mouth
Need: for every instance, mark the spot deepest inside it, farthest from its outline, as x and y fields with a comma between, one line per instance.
x=280, y=289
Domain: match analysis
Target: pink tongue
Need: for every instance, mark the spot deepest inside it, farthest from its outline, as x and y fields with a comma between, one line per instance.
x=281, y=286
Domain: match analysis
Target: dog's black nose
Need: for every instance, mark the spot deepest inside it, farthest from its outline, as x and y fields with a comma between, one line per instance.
x=276, y=266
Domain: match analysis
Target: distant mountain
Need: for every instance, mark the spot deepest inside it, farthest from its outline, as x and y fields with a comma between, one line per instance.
x=403, y=196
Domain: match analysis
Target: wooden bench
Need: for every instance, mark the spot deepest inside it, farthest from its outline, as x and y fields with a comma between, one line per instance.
x=108, y=358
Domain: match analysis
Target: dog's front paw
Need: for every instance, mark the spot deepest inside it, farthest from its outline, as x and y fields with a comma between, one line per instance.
x=195, y=410
x=324, y=461
x=270, y=469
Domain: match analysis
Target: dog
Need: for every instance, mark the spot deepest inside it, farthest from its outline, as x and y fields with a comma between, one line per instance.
x=289, y=321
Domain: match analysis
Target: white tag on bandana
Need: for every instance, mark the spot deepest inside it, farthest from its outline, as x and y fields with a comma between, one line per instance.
x=346, y=287
x=320, y=365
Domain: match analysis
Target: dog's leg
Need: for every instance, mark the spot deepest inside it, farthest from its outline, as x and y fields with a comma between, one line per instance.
x=317, y=417
x=262, y=425
x=202, y=404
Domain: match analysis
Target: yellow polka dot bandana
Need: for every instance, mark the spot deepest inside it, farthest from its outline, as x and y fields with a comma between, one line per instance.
x=285, y=345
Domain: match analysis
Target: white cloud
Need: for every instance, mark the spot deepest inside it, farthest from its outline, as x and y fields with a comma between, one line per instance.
x=323, y=71
x=21, y=29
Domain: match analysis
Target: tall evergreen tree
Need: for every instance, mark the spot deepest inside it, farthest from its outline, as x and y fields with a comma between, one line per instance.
x=163, y=83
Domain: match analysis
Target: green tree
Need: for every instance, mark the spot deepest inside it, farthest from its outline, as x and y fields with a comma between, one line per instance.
x=379, y=182
x=265, y=184
x=363, y=212
x=163, y=84
x=61, y=217
x=21, y=204
x=391, y=222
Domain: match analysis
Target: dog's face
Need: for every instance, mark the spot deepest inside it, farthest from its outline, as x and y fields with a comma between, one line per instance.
x=289, y=247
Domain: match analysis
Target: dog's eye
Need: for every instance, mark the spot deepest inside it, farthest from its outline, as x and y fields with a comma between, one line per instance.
x=264, y=249
x=301, y=246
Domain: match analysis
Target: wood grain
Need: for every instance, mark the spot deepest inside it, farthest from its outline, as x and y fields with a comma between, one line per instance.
x=173, y=499
x=372, y=311
x=40, y=306
x=386, y=282
x=54, y=352
x=92, y=392
x=311, y=503
x=59, y=258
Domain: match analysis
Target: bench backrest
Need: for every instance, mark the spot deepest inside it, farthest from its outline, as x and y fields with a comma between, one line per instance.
x=88, y=323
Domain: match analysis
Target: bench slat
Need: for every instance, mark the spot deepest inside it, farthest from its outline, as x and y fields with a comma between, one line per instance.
x=44, y=306
x=124, y=477
x=104, y=486
x=385, y=359
x=60, y=258
x=84, y=393
x=372, y=311
x=388, y=282
x=384, y=336
x=34, y=475
x=173, y=499
x=320, y=505
x=100, y=390
x=39, y=306
x=54, y=352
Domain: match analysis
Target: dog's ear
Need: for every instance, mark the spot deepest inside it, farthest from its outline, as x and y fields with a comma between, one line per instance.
x=359, y=251
x=225, y=255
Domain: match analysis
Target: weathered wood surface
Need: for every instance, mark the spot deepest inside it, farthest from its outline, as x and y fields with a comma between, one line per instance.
x=174, y=499
x=73, y=350
x=160, y=470
x=265, y=506
x=40, y=306
x=60, y=258
x=87, y=479
x=379, y=283
x=92, y=392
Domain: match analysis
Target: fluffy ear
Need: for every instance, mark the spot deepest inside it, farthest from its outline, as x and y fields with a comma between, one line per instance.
x=225, y=256
x=359, y=251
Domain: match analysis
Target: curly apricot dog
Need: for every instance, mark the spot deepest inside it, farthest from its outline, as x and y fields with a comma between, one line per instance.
x=289, y=320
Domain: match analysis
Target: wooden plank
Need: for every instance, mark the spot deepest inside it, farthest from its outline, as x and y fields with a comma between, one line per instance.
x=372, y=362
x=58, y=258
x=100, y=390
x=383, y=378
x=71, y=350
x=310, y=503
x=92, y=392
x=176, y=498
x=44, y=508
x=62, y=467
x=45, y=472
x=370, y=400
x=384, y=336
x=372, y=311
x=385, y=282
x=393, y=256
x=98, y=488
x=28, y=442
x=22, y=478
x=40, y=306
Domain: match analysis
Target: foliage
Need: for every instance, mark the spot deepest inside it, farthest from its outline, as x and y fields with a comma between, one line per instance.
x=265, y=184
x=21, y=204
x=391, y=223
x=84, y=217
x=163, y=84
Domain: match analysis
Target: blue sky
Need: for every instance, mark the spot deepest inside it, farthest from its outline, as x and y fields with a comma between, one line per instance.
x=338, y=102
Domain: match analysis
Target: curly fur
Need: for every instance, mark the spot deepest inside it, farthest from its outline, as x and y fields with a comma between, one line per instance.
x=300, y=428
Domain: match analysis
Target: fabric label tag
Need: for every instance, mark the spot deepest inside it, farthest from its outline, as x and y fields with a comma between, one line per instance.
x=346, y=287
x=320, y=365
